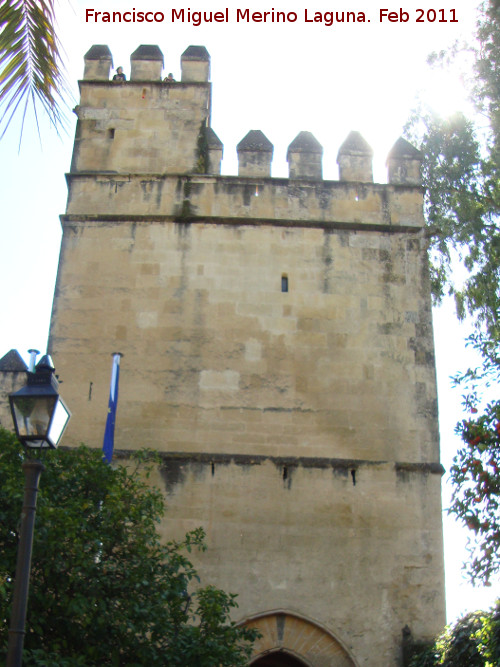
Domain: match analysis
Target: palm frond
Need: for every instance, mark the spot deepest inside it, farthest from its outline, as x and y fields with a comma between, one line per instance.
x=31, y=68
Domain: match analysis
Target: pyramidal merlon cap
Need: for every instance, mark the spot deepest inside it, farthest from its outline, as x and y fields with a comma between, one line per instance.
x=305, y=142
x=355, y=144
x=196, y=53
x=147, y=52
x=403, y=149
x=255, y=140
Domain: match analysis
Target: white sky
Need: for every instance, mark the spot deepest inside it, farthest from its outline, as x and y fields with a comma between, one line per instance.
x=281, y=79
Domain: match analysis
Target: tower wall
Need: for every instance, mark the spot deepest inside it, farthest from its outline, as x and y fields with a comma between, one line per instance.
x=139, y=127
x=278, y=353
x=340, y=365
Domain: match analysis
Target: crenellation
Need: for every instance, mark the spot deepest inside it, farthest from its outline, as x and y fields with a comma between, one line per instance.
x=98, y=63
x=304, y=156
x=215, y=150
x=161, y=113
x=355, y=159
x=255, y=153
x=146, y=63
x=404, y=163
x=195, y=65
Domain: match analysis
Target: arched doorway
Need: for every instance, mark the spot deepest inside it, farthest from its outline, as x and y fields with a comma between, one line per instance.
x=278, y=659
x=290, y=640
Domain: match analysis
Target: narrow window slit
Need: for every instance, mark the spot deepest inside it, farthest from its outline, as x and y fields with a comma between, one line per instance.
x=213, y=468
x=353, y=475
x=111, y=133
x=285, y=473
x=284, y=283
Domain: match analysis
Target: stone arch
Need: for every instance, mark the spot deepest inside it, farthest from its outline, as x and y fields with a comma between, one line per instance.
x=304, y=641
x=278, y=659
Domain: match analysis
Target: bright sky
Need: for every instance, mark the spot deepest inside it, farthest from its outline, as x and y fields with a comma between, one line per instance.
x=275, y=77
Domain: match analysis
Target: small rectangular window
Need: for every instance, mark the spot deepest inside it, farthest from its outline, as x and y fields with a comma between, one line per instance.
x=284, y=283
x=111, y=133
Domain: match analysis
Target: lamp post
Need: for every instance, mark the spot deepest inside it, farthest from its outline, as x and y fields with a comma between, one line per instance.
x=40, y=417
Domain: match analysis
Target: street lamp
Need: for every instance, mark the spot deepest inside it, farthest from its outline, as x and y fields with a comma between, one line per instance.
x=40, y=417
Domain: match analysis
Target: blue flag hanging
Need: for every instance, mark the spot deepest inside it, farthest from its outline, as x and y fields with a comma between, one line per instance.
x=109, y=432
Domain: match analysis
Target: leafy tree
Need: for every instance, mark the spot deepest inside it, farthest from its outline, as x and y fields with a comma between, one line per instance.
x=473, y=641
x=487, y=68
x=104, y=589
x=31, y=69
x=475, y=473
x=461, y=174
x=460, y=224
x=488, y=636
x=458, y=645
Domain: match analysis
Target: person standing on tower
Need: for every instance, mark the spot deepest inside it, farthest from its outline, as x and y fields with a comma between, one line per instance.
x=119, y=76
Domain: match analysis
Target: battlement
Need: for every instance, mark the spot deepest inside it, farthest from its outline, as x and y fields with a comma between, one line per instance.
x=151, y=125
x=146, y=64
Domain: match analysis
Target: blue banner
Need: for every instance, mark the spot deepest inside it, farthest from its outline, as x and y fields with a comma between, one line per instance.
x=109, y=432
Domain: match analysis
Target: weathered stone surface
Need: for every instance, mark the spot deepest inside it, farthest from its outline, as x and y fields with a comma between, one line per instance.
x=334, y=358
x=304, y=157
x=195, y=64
x=355, y=159
x=404, y=163
x=215, y=151
x=120, y=129
x=298, y=427
x=98, y=63
x=231, y=199
x=146, y=63
x=255, y=153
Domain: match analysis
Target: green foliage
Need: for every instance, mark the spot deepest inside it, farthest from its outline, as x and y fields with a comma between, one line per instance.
x=488, y=636
x=426, y=657
x=475, y=473
x=104, y=589
x=461, y=174
x=458, y=646
x=473, y=641
x=454, y=207
x=487, y=67
x=202, y=162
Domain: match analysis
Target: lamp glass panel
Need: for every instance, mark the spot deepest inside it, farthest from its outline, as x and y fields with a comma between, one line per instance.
x=33, y=414
x=59, y=421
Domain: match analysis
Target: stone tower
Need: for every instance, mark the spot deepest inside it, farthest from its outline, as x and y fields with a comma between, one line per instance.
x=278, y=353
